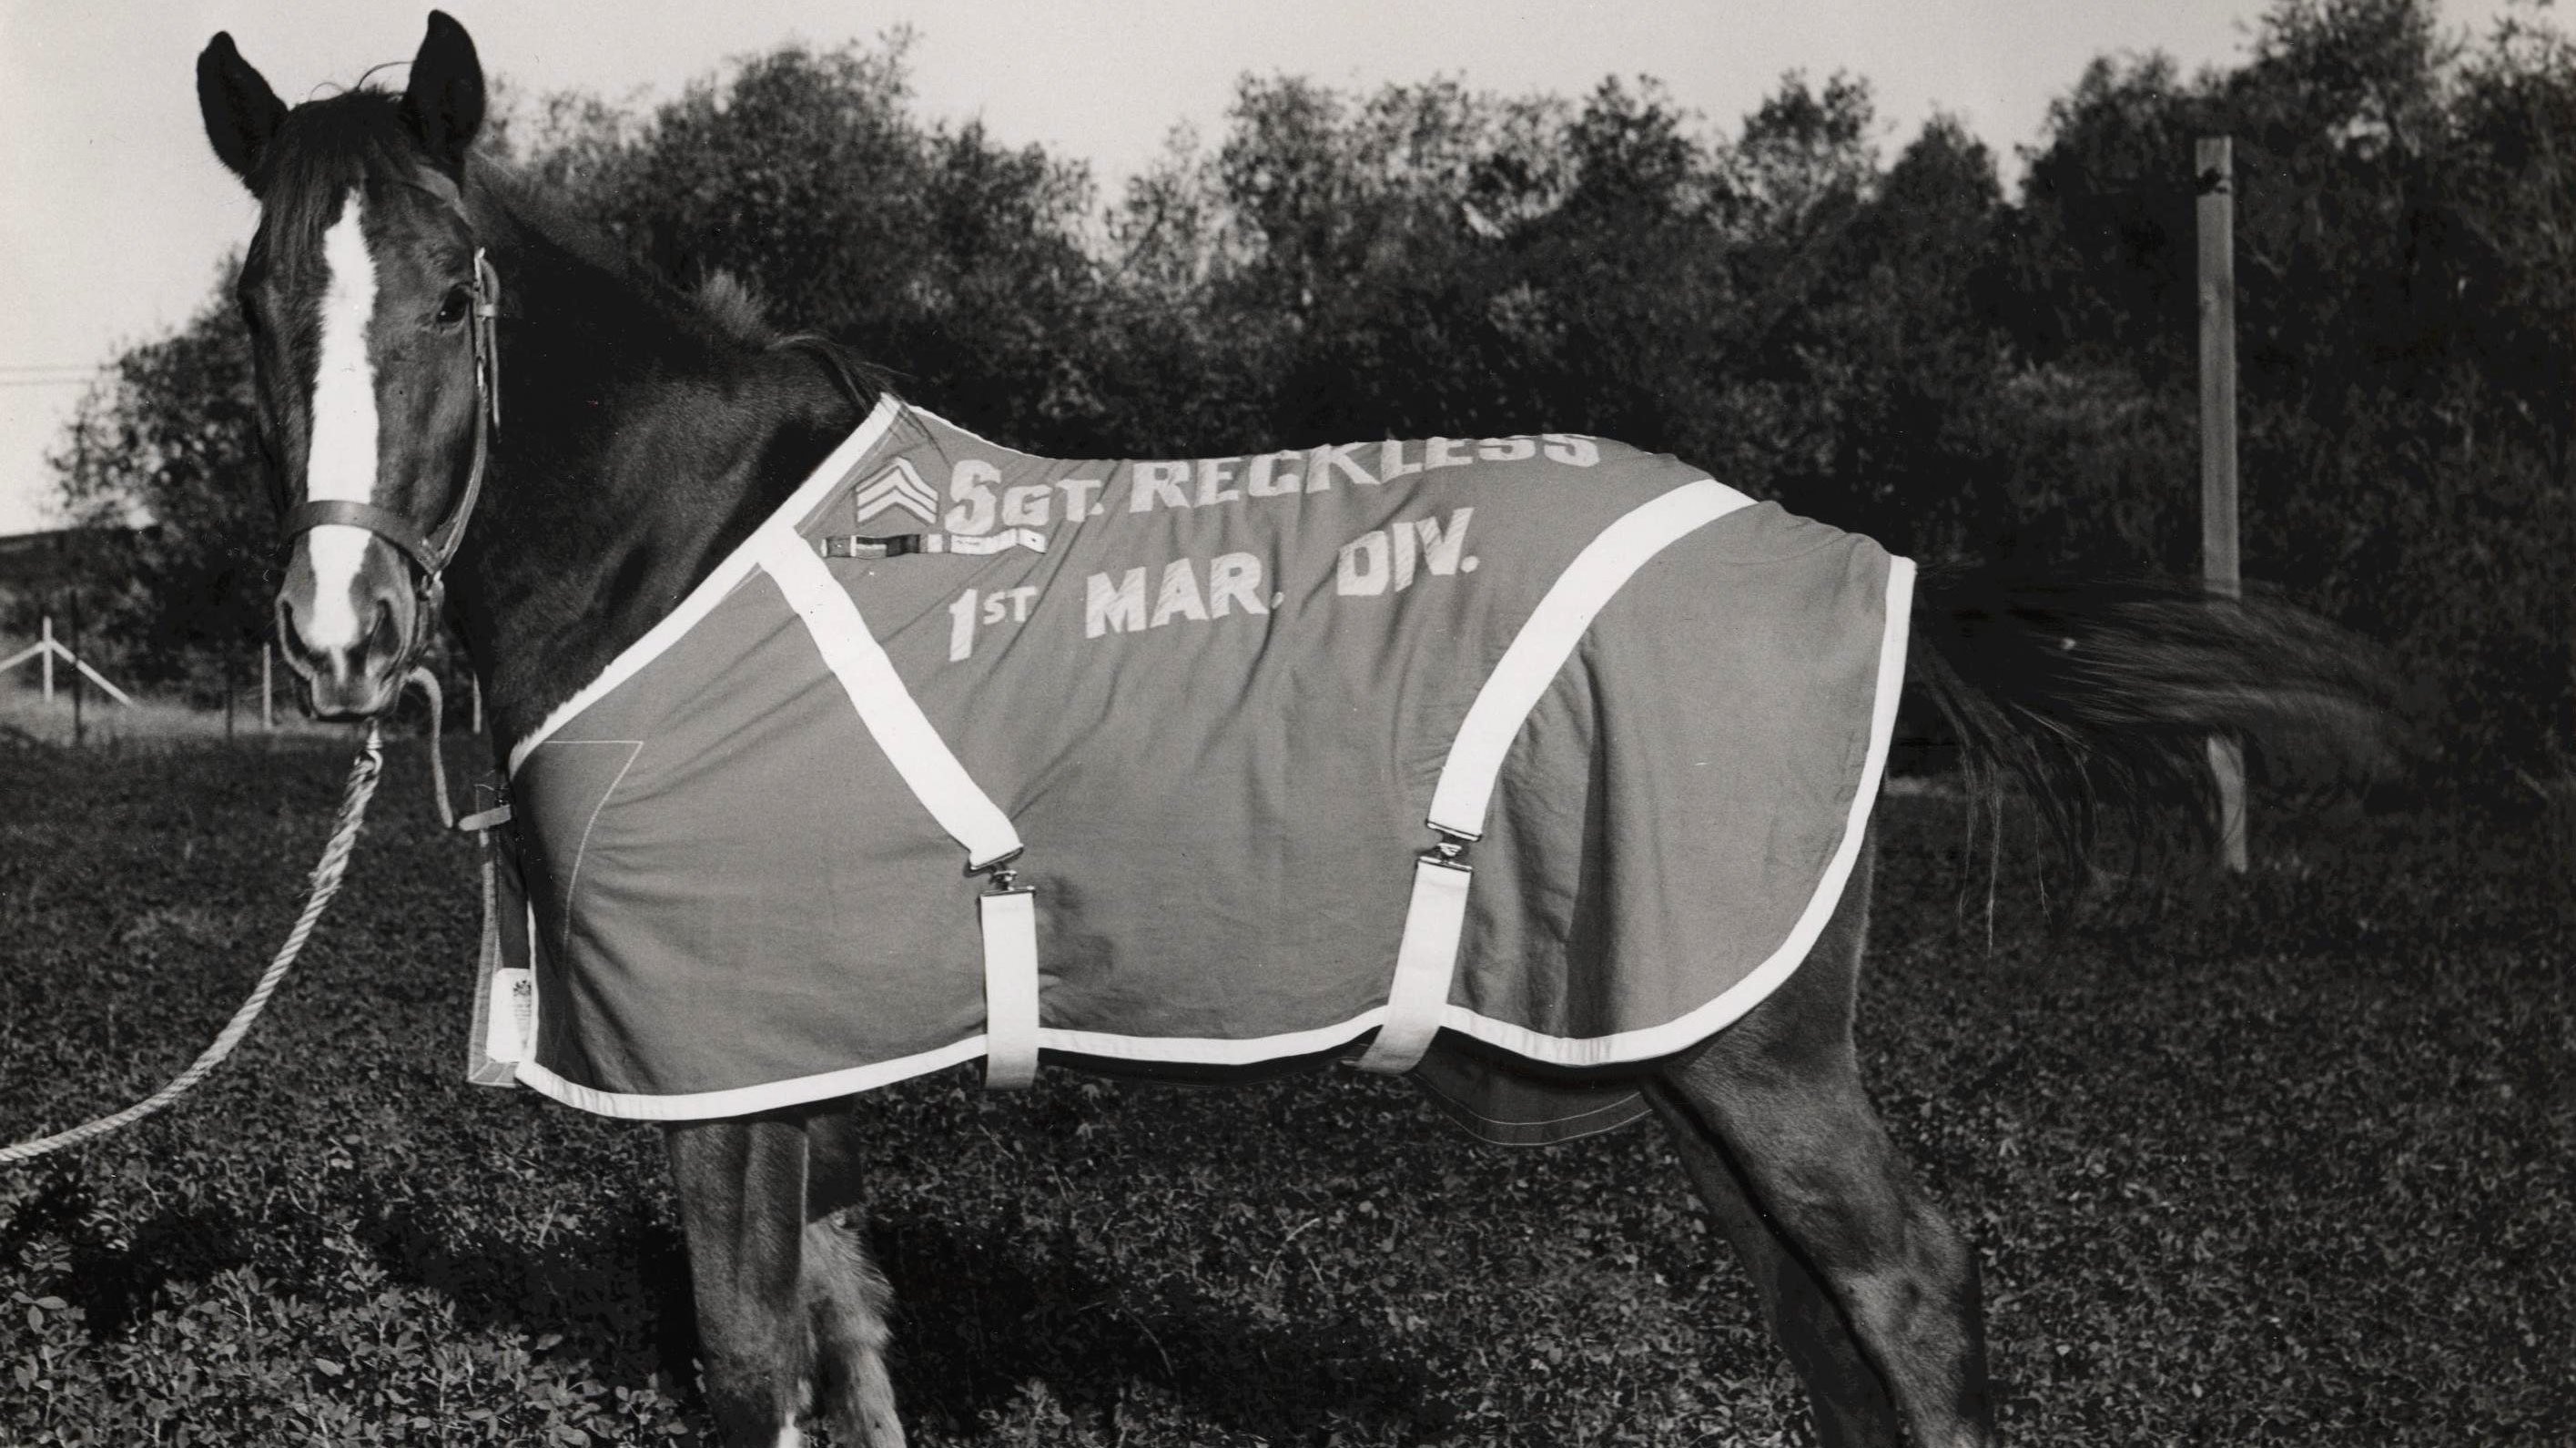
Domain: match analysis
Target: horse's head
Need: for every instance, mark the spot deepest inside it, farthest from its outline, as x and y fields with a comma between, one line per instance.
x=370, y=310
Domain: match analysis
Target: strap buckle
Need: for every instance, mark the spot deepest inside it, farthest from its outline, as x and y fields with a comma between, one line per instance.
x=1449, y=851
x=999, y=877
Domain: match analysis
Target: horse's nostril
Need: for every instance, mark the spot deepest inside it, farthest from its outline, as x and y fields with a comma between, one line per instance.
x=385, y=633
x=291, y=641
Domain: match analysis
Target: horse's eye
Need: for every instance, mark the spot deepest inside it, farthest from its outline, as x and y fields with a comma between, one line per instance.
x=452, y=309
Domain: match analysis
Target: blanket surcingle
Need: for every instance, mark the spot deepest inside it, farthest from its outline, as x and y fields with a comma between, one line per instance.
x=768, y=855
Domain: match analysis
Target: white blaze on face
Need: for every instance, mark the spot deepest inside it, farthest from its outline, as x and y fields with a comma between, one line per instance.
x=342, y=464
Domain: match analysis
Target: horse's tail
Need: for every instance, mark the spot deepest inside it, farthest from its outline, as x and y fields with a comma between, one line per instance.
x=2101, y=699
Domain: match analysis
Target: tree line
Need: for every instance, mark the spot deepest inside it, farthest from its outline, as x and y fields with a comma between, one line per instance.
x=1890, y=343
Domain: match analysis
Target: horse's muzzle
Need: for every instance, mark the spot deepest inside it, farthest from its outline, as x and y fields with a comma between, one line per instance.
x=350, y=651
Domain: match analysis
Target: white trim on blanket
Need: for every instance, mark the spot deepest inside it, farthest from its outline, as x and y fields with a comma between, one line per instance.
x=802, y=1090
x=714, y=588
x=707, y=1105
x=743, y=1100
x=1652, y=1041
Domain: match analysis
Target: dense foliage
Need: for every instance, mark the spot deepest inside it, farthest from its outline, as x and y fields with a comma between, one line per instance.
x=171, y=434
x=2292, y=1165
x=1892, y=345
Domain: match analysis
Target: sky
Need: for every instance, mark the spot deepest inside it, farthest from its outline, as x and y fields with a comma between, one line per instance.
x=114, y=215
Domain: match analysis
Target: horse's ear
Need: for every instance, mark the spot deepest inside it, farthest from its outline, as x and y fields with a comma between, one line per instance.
x=242, y=113
x=444, y=102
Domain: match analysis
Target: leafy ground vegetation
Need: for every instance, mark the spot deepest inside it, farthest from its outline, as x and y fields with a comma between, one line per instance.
x=2285, y=1161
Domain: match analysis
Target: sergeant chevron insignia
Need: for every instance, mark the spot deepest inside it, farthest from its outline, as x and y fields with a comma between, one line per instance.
x=897, y=487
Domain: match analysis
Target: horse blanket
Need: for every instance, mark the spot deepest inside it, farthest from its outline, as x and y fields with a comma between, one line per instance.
x=970, y=754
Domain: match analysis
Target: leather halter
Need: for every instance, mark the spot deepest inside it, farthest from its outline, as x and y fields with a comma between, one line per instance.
x=431, y=550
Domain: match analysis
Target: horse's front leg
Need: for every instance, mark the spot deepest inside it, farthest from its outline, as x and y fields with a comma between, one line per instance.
x=845, y=1295
x=787, y=1301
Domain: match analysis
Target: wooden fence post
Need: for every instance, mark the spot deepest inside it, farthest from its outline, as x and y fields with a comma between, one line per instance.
x=2214, y=174
x=80, y=729
x=49, y=660
x=267, y=656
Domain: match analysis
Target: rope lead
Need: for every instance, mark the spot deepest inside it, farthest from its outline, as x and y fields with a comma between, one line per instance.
x=363, y=774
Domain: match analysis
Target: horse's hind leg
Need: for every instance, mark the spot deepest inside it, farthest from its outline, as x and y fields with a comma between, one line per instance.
x=742, y=1203
x=1872, y=1290
x=1850, y=1401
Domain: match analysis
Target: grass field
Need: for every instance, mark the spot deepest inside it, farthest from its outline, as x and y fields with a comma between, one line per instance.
x=2282, y=1162
x=26, y=716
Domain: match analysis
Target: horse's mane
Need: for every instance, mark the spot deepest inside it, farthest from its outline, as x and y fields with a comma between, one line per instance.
x=722, y=310
x=735, y=307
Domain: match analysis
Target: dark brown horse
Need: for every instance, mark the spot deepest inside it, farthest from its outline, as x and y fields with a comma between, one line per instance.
x=393, y=275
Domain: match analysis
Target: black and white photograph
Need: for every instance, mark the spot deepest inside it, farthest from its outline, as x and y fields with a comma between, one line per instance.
x=1214, y=725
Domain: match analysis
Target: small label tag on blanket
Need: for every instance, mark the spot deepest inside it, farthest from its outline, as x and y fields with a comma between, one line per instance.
x=507, y=1014
x=1029, y=538
x=504, y=992
x=901, y=544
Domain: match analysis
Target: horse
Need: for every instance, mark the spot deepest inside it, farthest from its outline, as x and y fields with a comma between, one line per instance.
x=394, y=270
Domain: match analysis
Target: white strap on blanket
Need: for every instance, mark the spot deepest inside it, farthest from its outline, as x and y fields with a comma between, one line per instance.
x=1010, y=989
x=892, y=716
x=1427, y=959
x=1424, y=961
x=939, y=780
